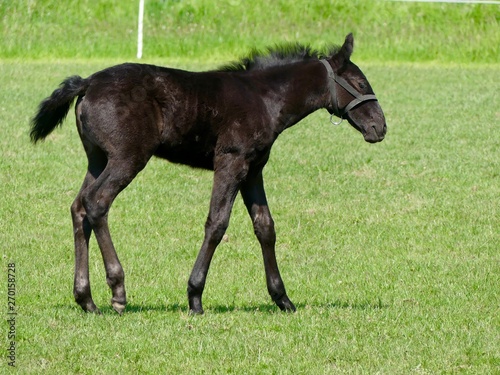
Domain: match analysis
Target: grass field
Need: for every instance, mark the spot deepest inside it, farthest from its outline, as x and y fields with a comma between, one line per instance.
x=201, y=30
x=390, y=251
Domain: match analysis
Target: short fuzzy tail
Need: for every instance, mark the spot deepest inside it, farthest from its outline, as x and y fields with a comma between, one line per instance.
x=53, y=110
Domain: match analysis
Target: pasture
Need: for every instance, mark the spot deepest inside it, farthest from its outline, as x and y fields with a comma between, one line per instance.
x=389, y=251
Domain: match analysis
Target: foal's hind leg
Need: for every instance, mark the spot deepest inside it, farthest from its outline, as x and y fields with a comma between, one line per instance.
x=254, y=196
x=82, y=231
x=97, y=199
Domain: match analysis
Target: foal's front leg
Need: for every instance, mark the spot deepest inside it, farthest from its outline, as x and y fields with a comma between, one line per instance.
x=255, y=200
x=229, y=173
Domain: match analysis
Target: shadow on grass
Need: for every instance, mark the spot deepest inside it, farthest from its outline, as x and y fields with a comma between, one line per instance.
x=183, y=308
x=363, y=305
x=268, y=308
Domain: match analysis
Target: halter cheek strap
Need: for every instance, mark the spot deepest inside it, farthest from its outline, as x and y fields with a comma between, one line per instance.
x=333, y=80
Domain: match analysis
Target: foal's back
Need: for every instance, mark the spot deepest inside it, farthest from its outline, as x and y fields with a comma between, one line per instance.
x=141, y=110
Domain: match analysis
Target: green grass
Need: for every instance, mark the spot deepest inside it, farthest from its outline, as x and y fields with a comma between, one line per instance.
x=197, y=29
x=389, y=251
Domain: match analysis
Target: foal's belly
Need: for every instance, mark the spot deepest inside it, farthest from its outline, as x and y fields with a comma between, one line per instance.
x=189, y=154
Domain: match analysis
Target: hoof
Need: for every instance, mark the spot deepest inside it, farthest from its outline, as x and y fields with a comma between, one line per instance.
x=195, y=306
x=118, y=307
x=286, y=305
x=97, y=311
x=94, y=311
x=89, y=307
x=196, y=312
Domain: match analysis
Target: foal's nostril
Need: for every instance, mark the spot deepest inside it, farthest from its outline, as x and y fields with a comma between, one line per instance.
x=379, y=133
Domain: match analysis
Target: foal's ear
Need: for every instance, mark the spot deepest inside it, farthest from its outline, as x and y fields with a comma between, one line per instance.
x=347, y=47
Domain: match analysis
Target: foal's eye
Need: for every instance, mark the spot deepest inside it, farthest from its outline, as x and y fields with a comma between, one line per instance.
x=362, y=85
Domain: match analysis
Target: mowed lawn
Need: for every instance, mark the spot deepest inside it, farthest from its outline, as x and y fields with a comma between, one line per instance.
x=390, y=251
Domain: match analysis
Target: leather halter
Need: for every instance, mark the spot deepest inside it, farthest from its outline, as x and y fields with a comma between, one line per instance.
x=333, y=80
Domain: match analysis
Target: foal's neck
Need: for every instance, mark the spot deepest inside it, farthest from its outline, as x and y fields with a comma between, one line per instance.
x=299, y=90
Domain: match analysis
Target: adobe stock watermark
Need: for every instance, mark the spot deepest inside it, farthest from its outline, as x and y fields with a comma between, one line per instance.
x=11, y=314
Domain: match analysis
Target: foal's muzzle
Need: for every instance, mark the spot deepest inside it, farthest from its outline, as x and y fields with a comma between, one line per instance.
x=374, y=135
x=369, y=119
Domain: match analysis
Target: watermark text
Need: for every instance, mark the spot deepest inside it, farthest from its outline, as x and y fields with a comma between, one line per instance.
x=11, y=314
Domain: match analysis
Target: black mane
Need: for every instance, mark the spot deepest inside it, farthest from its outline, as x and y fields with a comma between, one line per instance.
x=278, y=55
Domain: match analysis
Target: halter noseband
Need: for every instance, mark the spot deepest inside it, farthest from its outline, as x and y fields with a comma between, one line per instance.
x=358, y=98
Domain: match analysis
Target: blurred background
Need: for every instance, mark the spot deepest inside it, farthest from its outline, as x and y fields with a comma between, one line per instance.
x=215, y=31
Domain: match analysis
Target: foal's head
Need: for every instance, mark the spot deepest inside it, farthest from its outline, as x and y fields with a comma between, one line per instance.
x=351, y=98
x=365, y=115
